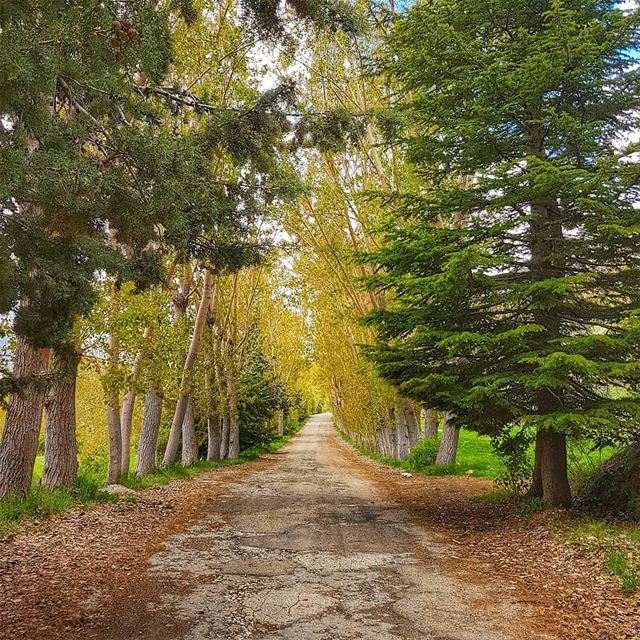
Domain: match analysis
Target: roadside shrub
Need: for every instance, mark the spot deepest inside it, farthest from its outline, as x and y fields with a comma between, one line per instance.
x=422, y=455
x=513, y=448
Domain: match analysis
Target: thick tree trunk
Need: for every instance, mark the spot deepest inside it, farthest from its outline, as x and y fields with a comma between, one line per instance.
x=19, y=445
x=430, y=423
x=406, y=410
x=189, y=440
x=449, y=443
x=148, y=443
x=214, y=428
x=536, y=489
x=555, y=483
x=224, y=446
x=187, y=373
x=60, y=446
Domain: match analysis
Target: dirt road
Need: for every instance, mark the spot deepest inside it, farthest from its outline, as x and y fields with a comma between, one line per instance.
x=305, y=549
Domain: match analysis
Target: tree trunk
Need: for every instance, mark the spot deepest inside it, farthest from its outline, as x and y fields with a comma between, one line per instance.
x=411, y=421
x=19, y=445
x=112, y=400
x=555, y=483
x=224, y=446
x=148, y=443
x=60, y=446
x=430, y=423
x=126, y=418
x=213, y=415
x=281, y=422
x=189, y=440
x=536, y=488
x=234, y=419
x=214, y=428
x=449, y=443
x=128, y=404
x=187, y=374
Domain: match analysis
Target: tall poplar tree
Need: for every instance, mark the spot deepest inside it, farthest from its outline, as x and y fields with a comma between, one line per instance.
x=516, y=269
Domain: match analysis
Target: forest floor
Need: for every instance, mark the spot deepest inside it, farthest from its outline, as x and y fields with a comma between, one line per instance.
x=311, y=542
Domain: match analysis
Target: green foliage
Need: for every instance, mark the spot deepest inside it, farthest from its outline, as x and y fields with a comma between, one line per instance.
x=259, y=397
x=514, y=271
x=513, y=448
x=422, y=455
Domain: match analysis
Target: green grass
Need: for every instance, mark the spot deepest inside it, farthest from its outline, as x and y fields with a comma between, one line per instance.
x=474, y=454
x=42, y=502
x=619, y=545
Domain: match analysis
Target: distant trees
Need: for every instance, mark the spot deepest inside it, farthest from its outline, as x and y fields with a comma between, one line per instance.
x=524, y=316
x=113, y=157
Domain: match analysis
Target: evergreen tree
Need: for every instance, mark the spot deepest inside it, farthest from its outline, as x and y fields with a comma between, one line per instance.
x=515, y=268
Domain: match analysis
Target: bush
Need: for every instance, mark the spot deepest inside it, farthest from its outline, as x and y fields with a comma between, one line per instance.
x=423, y=455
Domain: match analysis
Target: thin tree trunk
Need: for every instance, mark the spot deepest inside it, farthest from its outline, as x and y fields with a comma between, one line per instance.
x=60, y=446
x=187, y=374
x=234, y=419
x=148, y=443
x=555, y=483
x=189, y=440
x=430, y=423
x=128, y=404
x=224, y=447
x=213, y=416
x=19, y=444
x=281, y=422
x=449, y=443
x=112, y=400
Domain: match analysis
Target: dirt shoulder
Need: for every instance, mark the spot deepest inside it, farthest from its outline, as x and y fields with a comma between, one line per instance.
x=564, y=586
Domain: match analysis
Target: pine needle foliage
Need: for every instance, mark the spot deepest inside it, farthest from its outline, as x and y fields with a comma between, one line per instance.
x=515, y=269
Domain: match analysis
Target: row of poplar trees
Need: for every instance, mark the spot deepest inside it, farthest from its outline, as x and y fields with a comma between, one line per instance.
x=109, y=163
x=515, y=267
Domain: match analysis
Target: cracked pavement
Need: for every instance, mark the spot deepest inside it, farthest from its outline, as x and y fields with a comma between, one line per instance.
x=306, y=549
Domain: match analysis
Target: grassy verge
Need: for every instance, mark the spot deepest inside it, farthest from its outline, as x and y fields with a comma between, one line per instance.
x=475, y=457
x=42, y=502
x=618, y=546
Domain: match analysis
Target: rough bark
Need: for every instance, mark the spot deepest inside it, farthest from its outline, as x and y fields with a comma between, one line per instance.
x=189, y=440
x=555, y=483
x=430, y=423
x=187, y=374
x=214, y=426
x=411, y=421
x=19, y=444
x=148, y=443
x=60, y=446
x=448, y=448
